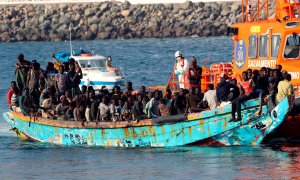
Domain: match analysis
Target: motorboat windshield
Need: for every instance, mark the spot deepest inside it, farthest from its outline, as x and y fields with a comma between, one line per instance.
x=92, y=62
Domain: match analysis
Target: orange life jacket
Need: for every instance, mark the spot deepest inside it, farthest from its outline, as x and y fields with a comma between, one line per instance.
x=247, y=86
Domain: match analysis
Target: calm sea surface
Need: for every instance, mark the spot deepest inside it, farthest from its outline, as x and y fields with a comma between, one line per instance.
x=146, y=62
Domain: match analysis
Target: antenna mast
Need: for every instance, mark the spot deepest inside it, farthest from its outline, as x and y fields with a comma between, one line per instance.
x=71, y=49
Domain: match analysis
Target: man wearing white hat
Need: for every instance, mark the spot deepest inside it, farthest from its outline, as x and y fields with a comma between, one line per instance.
x=180, y=68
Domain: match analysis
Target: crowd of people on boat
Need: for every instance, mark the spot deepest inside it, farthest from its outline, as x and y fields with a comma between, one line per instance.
x=266, y=83
x=57, y=95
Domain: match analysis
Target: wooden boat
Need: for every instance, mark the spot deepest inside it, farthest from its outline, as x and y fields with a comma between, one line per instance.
x=161, y=132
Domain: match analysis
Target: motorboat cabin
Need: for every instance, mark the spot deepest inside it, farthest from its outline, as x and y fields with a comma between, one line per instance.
x=95, y=71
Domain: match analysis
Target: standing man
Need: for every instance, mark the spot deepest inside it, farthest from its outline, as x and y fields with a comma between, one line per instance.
x=13, y=90
x=22, y=68
x=61, y=82
x=74, y=77
x=194, y=74
x=180, y=68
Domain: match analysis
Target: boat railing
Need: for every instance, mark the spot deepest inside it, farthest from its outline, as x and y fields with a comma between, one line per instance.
x=257, y=10
x=210, y=75
x=249, y=14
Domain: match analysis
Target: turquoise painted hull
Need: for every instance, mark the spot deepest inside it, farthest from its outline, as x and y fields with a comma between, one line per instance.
x=253, y=133
x=149, y=133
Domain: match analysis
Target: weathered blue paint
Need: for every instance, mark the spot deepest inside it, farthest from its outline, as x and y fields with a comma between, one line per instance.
x=199, y=126
x=253, y=132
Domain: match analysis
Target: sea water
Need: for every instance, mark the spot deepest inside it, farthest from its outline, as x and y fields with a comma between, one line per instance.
x=145, y=62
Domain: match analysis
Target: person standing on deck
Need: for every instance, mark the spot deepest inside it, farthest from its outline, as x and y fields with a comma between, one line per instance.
x=61, y=82
x=34, y=77
x=194, y=74
x=180, y=68
x=14, y=90
x=74, y=78
x=50, y=75
x=22, y=68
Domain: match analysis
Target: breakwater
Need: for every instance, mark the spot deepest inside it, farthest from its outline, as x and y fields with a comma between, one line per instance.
x=111, y=20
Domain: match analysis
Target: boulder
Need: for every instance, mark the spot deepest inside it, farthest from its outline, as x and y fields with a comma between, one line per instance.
x=126, y=5
x=168, y=6
x=93, y=20
x=167, y=32
x=46, y=25
x=226, y=11
x=186, y=5
x=77, y=17
x=235, y=6
x=104, y=7
x=180, y=31
x=103, y=35
x=125, y=13
x=62, y=27
x=89, y=12
x=63, y=7
x=94, y=28
x=115, y=8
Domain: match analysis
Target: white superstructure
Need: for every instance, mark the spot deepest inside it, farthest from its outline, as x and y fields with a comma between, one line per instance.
x=95, y=72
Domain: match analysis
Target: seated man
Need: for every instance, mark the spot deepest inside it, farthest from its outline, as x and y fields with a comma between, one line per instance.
x=62, y=107
x=108, y=65
x=225, y=90
x=103, y=113
x=246, y=87
x=163, y=109
x=210, y=97
x=180, y=102
x=192, y=102
x=137, y=108
x=48, y=108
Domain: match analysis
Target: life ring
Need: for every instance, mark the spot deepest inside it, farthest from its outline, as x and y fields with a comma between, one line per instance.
x=86, y=54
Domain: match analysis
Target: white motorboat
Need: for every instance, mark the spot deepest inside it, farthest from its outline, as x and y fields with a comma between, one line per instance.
x=94, y=69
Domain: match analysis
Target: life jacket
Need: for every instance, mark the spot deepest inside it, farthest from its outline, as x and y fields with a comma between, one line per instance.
x=247, y=86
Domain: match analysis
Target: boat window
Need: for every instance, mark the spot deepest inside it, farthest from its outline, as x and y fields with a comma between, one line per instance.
x=275, y=43
x=292, y=46
x=263, y=46
x=92, y=64
x=252, y=46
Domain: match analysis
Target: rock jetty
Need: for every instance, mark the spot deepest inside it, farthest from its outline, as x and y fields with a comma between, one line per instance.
x=111, y=20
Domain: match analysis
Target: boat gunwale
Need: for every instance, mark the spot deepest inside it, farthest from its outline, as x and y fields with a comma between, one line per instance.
x=202, y=116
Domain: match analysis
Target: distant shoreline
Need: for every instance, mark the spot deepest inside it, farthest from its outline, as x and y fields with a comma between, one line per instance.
x=113, y=20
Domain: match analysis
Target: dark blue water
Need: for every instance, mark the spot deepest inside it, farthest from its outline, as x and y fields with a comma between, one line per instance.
x=146, y=62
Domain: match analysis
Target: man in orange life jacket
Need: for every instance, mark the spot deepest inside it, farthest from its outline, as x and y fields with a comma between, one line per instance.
x=246, y=86
x=194, y=74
